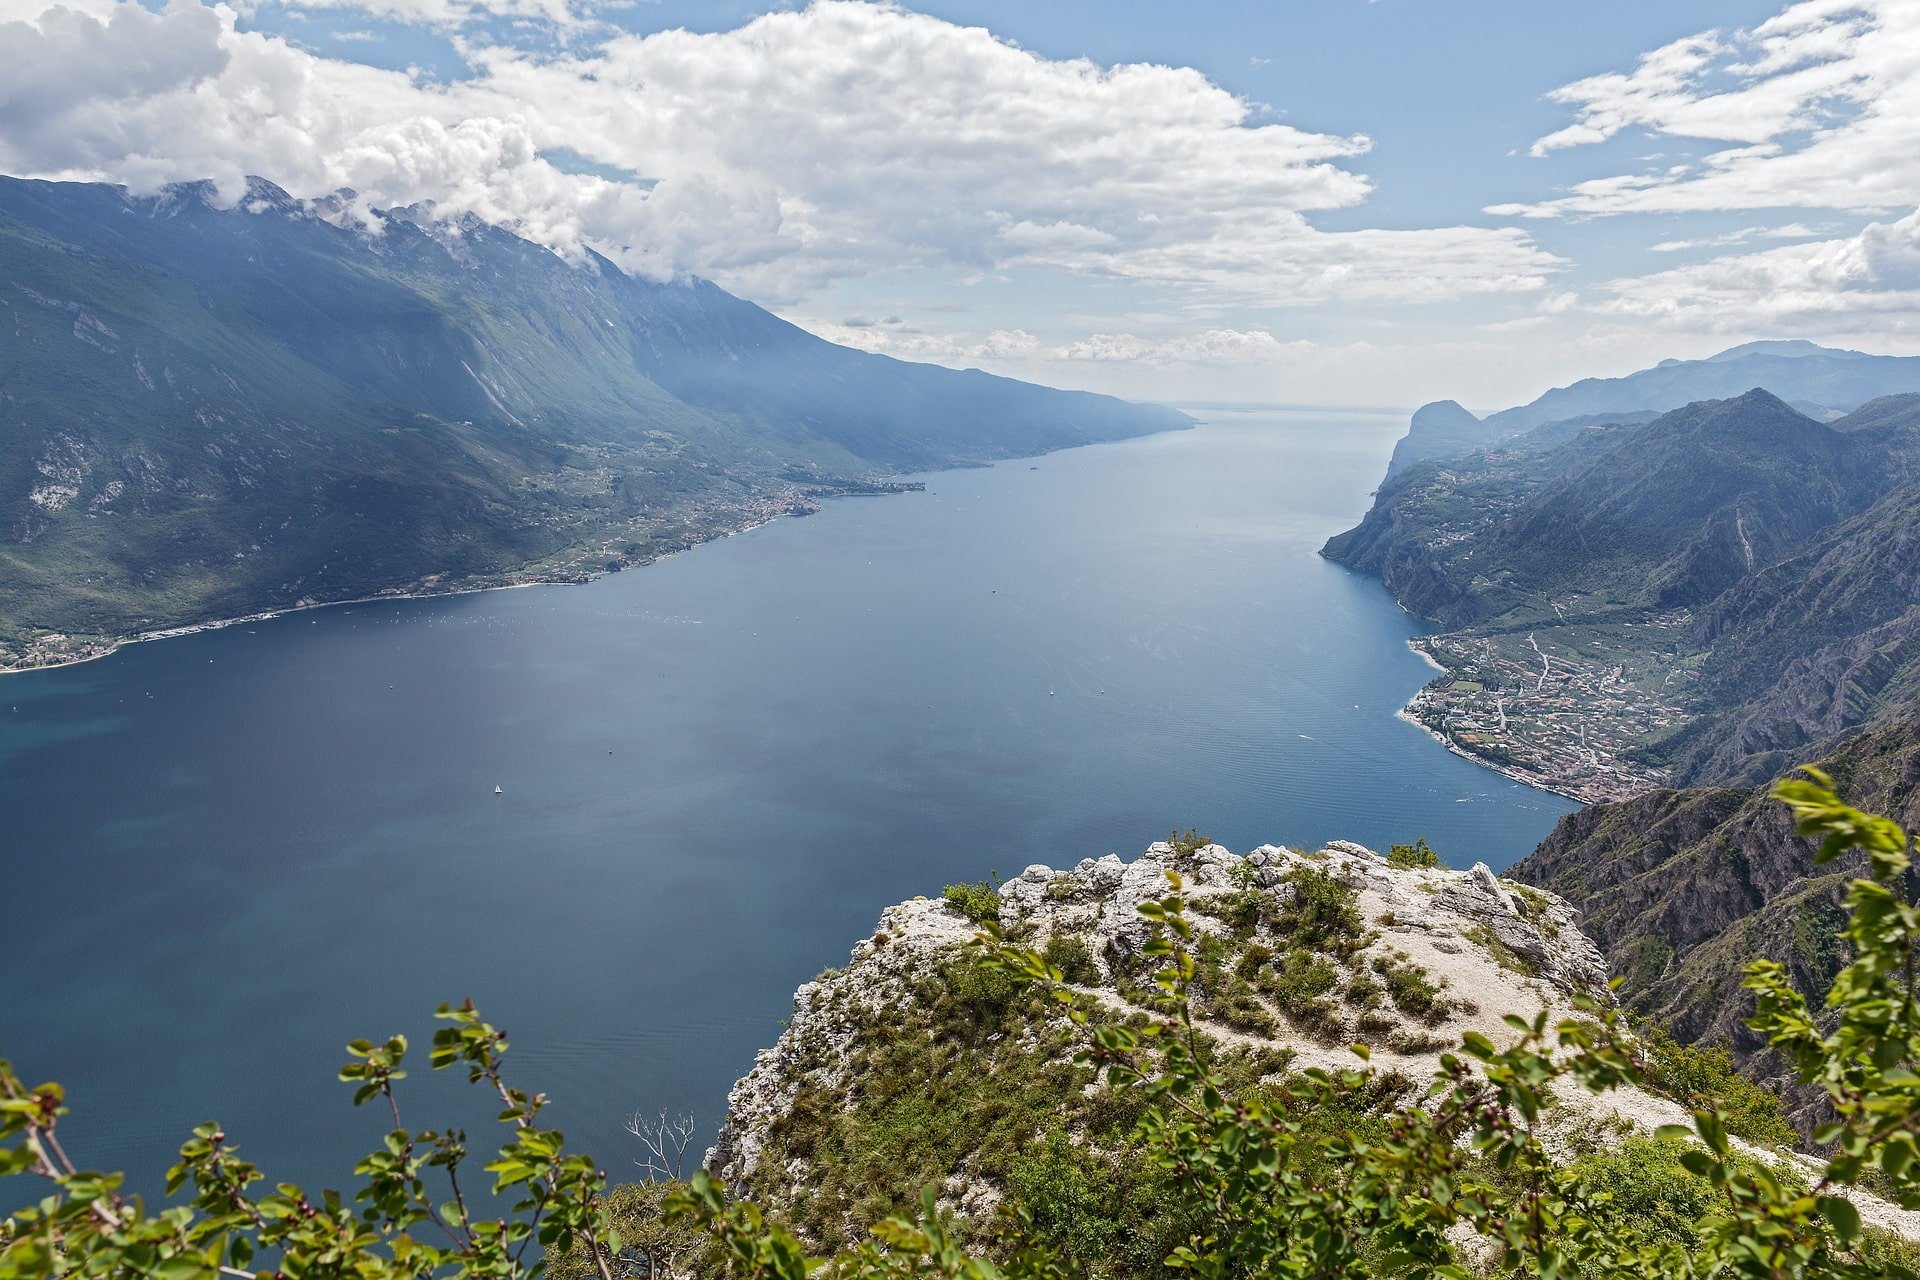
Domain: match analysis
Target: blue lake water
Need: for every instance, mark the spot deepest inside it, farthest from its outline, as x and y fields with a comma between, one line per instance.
x=228, y=854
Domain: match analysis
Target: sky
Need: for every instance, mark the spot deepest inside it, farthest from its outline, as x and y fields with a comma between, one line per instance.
x=1342, y=202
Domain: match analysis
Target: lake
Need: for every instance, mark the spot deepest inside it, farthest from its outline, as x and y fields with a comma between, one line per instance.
x=228, y=854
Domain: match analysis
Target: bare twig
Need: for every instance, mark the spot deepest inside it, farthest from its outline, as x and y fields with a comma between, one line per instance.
x=666, y=1139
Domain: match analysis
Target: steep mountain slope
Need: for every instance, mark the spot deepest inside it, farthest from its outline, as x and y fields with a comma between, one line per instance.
x=1799, y=372
x=1671, y=512
x=1681, y=888
x=1680, y=509
x=209, y=411
x=1812, y=646
x=1679, y=599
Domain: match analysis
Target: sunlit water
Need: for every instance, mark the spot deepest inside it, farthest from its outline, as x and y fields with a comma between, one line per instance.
x=228, y=854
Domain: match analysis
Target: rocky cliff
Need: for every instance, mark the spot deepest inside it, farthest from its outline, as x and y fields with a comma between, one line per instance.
x=918, y=1066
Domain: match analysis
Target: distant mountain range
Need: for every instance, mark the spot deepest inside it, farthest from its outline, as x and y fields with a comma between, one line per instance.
x=207, y=411
x=1820, y=381
x=1669, y=512
x=1698, y=597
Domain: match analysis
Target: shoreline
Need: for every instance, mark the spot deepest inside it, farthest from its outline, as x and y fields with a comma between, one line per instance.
x=879, y=489
x=221, y=624
x=1414, y=644
x=118, y=643
x=1510, y=772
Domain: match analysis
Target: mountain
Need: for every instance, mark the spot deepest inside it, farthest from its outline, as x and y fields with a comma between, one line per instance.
x=1661, y=513
x=1810, y=376
x=214, y=410
x=1812, y=646
x=1683, y=599
x=1681, y=888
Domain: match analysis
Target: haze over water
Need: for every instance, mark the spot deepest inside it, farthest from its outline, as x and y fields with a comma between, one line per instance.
x=228, y=854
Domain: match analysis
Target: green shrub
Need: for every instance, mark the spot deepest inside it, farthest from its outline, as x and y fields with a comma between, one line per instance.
x=650, y=1245
x=1091, y=1213
x=1299, y=984
x=1412, y=989
x=979, y=903
x=1411, y=857
x=1241, y=910
x=1704, y=1075
x=1187, y=843
x=1069, y=954
x=1321, y=913
x=1647, y=1189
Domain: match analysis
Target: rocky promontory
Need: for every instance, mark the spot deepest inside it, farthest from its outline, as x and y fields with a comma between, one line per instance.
x=919, y=1065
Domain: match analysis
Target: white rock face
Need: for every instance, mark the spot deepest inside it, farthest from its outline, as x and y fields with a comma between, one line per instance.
x=1466, y=930
x=1491, y=947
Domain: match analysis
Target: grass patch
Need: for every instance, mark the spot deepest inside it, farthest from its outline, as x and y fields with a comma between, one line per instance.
x=1503, y=955
x=1070, y=954
x=1412, y=989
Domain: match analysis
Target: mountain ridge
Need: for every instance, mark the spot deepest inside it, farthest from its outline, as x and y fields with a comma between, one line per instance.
x=1681, y=888
x=1688, y=599
x=1793, y=370
x=213, y=411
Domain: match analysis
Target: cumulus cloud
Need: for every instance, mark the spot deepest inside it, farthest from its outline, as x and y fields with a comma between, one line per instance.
x=1815, y=107
x=67, y=60
x=840, y=140
x=1863, y=279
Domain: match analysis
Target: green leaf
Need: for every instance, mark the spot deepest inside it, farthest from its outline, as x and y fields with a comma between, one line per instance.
x=1842, y=1216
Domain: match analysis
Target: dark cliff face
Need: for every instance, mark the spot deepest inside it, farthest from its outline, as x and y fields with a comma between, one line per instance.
x=1442, y=429
x=1681, y=889
x=1814, y=645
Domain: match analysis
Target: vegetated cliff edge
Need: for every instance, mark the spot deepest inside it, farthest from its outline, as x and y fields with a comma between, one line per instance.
x=918, y=1066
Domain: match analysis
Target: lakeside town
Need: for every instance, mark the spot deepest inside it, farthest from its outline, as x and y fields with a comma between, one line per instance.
x=1560, y=707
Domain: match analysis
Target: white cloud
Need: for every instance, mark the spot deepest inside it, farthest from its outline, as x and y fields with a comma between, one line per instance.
x=1817, y=107
x=895, y=337
x=565, y=18
x=1745, y=235
x=1866, y=280
x=842, y=140
x=1211, y=348
x=1650, y=95
x=68, y=61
